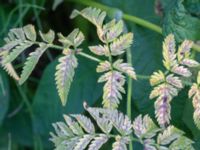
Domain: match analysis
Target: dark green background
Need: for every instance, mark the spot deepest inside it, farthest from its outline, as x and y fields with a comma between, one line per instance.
x=20, y=130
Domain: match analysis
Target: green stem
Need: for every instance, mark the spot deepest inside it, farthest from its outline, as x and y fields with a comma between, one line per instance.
x=89, y=57
x=131, y=18
x=143, y=23
x=129, y=92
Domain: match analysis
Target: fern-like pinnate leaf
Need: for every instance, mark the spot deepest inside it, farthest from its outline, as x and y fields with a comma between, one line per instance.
x=73, y=136
x=8, y=67
x=100, y=50
x=16, y=52
x=113, y=33
x=18, y=40
x=79, y=134
x=169, y=51
x=65, y=70
x=31, y=62
x=170, y=134
x=120, y=143
x=157, y=78
x=75, y=38
x=125, y=68
x=30, y=32
x=115, y=43
x=104, y=66
x=119, y=46
x=167, y=85
x=112, y=88
x=65, y=73
x=144, y=127
x=94, y=15
x=98, y=142
x=194, y=93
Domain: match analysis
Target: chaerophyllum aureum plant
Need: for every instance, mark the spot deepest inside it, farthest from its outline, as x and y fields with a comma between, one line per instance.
x=80, y=132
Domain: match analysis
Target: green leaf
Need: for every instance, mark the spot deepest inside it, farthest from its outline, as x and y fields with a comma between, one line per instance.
x=31, y=62
x=64, y=75
x=169, y=134
x=16, y=52
x=114, y=31
x=193, y=6
x=75, y=38
x=94, y=15
x=30, y=32
x=119, y=46
x=179, y=22
x=48, y=37
x=46, y=104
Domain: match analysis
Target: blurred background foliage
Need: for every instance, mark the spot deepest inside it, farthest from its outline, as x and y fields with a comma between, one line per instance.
x=27, y=112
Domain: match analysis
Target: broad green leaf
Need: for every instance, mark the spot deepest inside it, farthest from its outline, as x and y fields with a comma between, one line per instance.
x=193, y=6
x=178, y=21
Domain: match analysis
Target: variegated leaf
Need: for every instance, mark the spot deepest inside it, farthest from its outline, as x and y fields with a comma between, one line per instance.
x=119, y=46
x=175, y=81
x=99, y=116
x=16, y=52
x=48, y=37
x=120, y=121
x=83, y=142
x=99, y=50
x=74, y=126
x=169, y=51
x=163, y=110
x=103, y=66
x=114, y=31
x=189, y=62
x=170, y=134
x=144, y=127
x=11, y=71
x=182, y=71
x=112, y=88
x=184, y=50
x=75, y=38
x=125, y=68
x=94, y=15
x=157, y=78
x=31, y=62
x=98, y=142
x=120, y=143
x=85, y=123
x=182, y=143
x=30, y=32
x=65, y=73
